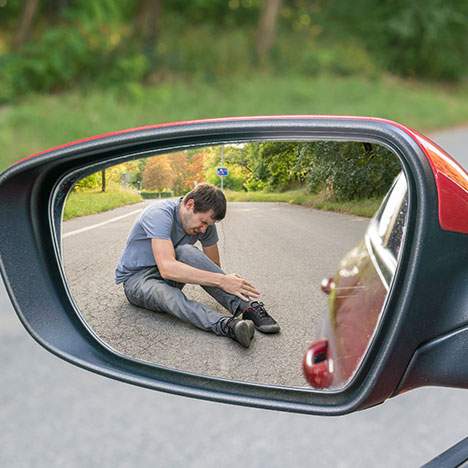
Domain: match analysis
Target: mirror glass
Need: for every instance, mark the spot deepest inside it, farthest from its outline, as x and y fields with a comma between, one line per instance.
x=283, y=284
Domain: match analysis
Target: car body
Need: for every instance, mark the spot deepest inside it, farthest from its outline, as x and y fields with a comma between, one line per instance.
x=357, y=294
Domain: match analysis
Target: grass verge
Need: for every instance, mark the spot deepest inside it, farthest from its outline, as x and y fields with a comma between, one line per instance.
x=40, y=122
x=365, y=207
x=87, y=203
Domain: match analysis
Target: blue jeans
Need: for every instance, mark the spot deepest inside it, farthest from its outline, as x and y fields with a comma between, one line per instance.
x=147, y=289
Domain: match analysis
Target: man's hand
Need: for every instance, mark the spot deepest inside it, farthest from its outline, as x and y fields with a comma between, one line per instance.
x=240, y=287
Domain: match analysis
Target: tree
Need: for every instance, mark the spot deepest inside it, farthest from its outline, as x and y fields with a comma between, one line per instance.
x=188, y=170
x=232, y=160
x=195, y=173
x=26, y=21
x=111, y=178
x=147, y=29
x=179, y=167
x=136, y=169
x=103, y=180
x=266, y=31
x=351, y=170
x=268, y=165
x=158, y=174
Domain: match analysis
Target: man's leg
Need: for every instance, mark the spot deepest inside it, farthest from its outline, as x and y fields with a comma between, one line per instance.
x=148, y=290
x=254, y=311
x=194, y=257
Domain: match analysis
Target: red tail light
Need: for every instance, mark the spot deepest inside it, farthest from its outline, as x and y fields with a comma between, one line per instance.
x=318, y=367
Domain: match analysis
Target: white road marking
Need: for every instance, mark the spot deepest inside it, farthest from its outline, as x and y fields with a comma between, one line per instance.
x=94, y=226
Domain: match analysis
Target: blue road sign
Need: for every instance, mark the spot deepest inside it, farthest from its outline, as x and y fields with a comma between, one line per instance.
x=222, y=171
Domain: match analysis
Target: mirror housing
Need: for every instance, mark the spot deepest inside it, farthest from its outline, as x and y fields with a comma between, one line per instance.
x=421, y=339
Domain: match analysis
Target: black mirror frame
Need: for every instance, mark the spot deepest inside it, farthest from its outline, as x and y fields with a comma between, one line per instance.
x=34, y=282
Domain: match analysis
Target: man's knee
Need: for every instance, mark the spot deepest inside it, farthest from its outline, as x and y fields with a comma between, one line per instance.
x=194, y=257
x=187, y=252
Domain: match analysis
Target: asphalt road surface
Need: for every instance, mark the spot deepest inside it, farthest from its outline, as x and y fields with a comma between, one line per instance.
x=56, y=415
x=455, y=142
x=285, y=250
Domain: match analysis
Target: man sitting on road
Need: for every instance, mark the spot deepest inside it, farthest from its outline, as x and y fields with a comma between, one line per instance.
x=160, y=258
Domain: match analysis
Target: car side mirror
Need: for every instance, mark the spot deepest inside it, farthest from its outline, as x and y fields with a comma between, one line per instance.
x=415, y=249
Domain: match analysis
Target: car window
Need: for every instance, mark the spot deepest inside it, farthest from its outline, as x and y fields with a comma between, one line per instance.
x=394, y=240
x=392, y=215
x=385, y=232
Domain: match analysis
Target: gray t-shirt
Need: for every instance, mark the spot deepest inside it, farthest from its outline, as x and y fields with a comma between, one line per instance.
x=159, y=220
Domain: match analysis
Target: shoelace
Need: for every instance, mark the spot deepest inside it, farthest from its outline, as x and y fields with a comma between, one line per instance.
x=259, y=308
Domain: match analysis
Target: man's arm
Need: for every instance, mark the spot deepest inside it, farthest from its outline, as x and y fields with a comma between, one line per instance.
x=171, y=269
x=212, y=252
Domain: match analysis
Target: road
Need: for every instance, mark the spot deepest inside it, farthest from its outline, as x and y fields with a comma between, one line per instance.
x=286, y=250
x=454, y=142
x=56, y=415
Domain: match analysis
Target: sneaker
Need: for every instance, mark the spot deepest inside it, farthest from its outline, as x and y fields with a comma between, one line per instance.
x=260, y=317
x=240, y=330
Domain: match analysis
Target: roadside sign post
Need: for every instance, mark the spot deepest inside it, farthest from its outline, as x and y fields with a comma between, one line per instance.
x=222, y=165
x=222, y=171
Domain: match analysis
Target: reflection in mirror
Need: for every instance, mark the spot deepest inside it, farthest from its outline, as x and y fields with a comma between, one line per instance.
x=163, y=270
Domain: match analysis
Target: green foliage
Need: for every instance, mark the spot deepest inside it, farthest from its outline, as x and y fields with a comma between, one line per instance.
x=119, y=177
x=146, y=194
x=314, y=57
x=344, y=171
x=89, y=183
x=40, y=122
x=421, y=38
x=212, y=160
x=46, y=65
x=268, y=166
x=205, y=51
x=104, y=12
x=83, y=46
x=125, y=70
x=276, y=161
x=234, y=181
x=348, y=171
x=97, y=43
x=9, y=11
x=432, y=39
x=59, y=58
x=246, y=157
x=136, y=176
x=221, y=12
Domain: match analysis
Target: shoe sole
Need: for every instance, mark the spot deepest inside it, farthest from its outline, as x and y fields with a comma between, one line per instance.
x=269, y=329
x=244, y=332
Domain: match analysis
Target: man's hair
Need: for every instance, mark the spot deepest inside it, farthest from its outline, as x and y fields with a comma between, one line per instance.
x=208, y=197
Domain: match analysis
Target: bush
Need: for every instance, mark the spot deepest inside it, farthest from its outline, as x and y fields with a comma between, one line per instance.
x=344, y=171
x=431, y=40
x=151, y=195
x=206, y=51
x=425, y=39
x=299, y=55
x=61, y=56
x=234, y=181
x=89, y=183
x=271, y=166
x=81, y=49
x=348, y=171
